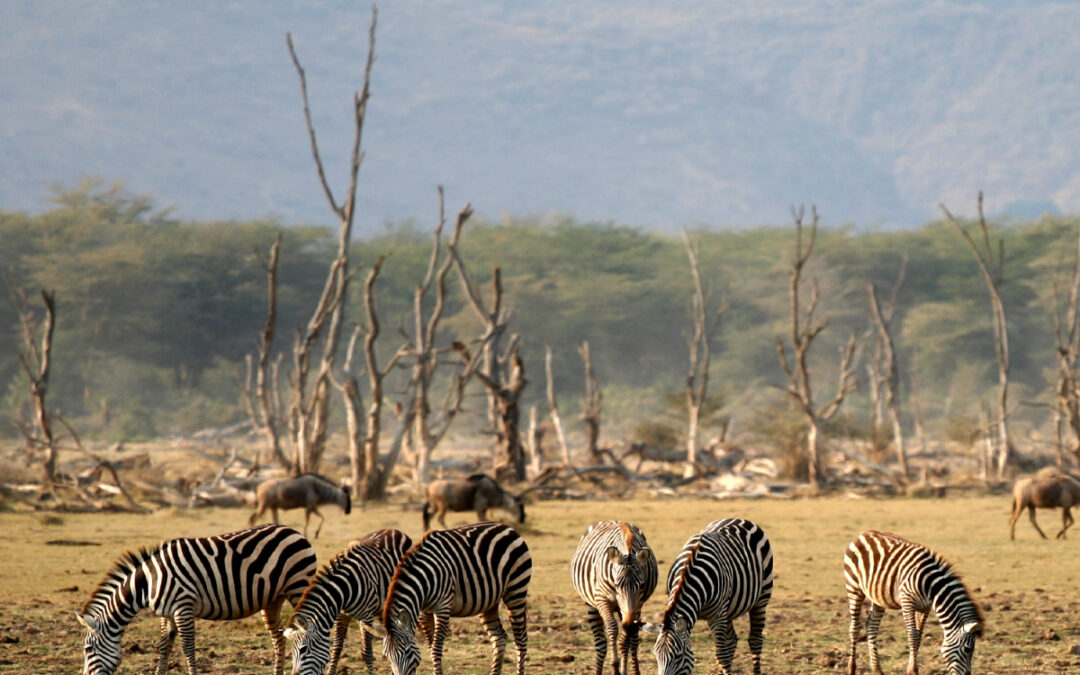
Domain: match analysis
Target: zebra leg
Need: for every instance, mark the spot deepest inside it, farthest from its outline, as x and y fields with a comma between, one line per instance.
x=856, y=598
x=873, y=623
x=168, y=637
x=519, y=622
x=427, y=627
x=271, y=615
x=757, y=628
x=611, y=633
x=913, y=621
x=185, y=625
x=341, y=629
x=497, y=635
x=596, y=623
x=367, y=648
x=442, y=627
x=630, y=639
x=725, y=639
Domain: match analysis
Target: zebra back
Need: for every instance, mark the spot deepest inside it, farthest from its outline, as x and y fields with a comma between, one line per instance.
x=613, y=563
x=889, y=569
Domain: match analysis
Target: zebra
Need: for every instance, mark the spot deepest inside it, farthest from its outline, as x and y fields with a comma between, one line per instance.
x=614, y=571
x=229, y=576
x=894, y=573
x=462, y=571
x=722, y=572
x=352, y=585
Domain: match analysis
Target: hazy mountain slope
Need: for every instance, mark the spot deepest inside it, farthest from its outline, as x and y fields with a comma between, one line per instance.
x=645, y=113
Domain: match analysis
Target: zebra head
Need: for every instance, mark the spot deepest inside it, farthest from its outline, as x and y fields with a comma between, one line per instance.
x=958, y=647
x=399, y=642
x=627, y=574
x=101, y=648
x=310, y=646
x=674, y=656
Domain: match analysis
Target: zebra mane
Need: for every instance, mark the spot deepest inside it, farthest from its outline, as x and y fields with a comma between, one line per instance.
x=677, y=587
x=405, y=561
x=122, y=569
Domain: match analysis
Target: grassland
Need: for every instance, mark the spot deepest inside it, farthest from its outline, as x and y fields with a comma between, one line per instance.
x=1029, y=588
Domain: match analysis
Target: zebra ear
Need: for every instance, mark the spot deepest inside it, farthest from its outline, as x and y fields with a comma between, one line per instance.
x=376, y=629
x=298, y=622
x=614, y=555
x=402, y=618
x=291, y=633
x=87, y=622
x=972, y=627
x=650, y=628
x=682, y=625
x=643, y=556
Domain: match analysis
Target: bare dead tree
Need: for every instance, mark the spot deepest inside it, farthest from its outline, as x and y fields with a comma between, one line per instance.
x=1067, y=343
x=535, y=442
x=353, y=401
x=886, y=362
x=510, y=453
x=590, y=408
x=430, y=425
x=553, y=406
x=261, y=389
x=804, y=328
x=36, y=360
x=308, y=411
x=992, y=269
x=702, y=324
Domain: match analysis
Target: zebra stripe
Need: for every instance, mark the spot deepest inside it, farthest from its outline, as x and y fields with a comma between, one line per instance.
x=352, y=585
x=614, y=571
x=722, y=572
x=894, y=573
x=463, y=571
x=229, y=576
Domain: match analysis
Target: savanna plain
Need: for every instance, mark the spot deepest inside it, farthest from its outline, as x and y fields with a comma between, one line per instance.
x=1029, y=588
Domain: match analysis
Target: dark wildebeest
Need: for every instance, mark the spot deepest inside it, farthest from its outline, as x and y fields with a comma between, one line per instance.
x=479, y=492
x=1048, y=492
x=305, y=491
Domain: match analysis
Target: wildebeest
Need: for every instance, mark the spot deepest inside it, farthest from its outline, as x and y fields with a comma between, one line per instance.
x=305, y=491
x=479, y=492
x=1048, y=492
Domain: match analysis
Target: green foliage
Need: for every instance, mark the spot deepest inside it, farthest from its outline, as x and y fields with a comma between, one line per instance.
x=655, y=434
x=155, y=314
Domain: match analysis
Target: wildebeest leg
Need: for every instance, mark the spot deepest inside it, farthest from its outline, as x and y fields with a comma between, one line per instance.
x=1066, y=521
x=1031, y=513
x=1018, y=508
x=442, y=515
x=321, y=521
x=273, y=510
x=259, y=510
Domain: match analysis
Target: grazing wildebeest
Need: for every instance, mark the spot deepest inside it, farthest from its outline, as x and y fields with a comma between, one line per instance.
x=1048, y=492
x=305, y=491
x=479, y=492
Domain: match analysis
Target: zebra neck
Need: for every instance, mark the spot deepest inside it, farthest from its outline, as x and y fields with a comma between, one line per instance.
x=118, y=605
x=954, y=607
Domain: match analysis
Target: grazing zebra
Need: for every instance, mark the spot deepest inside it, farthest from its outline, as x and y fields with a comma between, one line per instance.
x=463, y=571
x=722, y=572
x=614, y=572
x=894, y=573
x=352, y=585
x=229, y=576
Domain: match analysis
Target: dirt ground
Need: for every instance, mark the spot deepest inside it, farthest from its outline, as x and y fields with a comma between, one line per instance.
x=1029, y=588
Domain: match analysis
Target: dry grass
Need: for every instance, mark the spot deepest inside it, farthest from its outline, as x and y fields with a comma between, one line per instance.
x=1030, y=587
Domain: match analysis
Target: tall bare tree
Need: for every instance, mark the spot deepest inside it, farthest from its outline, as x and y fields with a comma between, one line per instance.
x=308, y=411
x=885, y=362
x=1067, y=343
x=36, y=360
x=702, y=324
x=590, y=407
x=804, y=329
x=992, y=269
x=262, y=393
x=553, y=405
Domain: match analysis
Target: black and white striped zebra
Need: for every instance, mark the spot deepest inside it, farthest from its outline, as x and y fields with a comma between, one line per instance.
x=614, y=571
x=894, y=573
x=722, y=572
x=351, y=586
x=463, y=571
x=229, y=576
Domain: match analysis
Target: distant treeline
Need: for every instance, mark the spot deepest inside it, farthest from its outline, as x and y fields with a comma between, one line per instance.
x=155, y=315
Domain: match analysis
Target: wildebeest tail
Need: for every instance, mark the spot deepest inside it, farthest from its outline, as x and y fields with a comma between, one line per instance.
x=427, y=515
x=348, y=500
